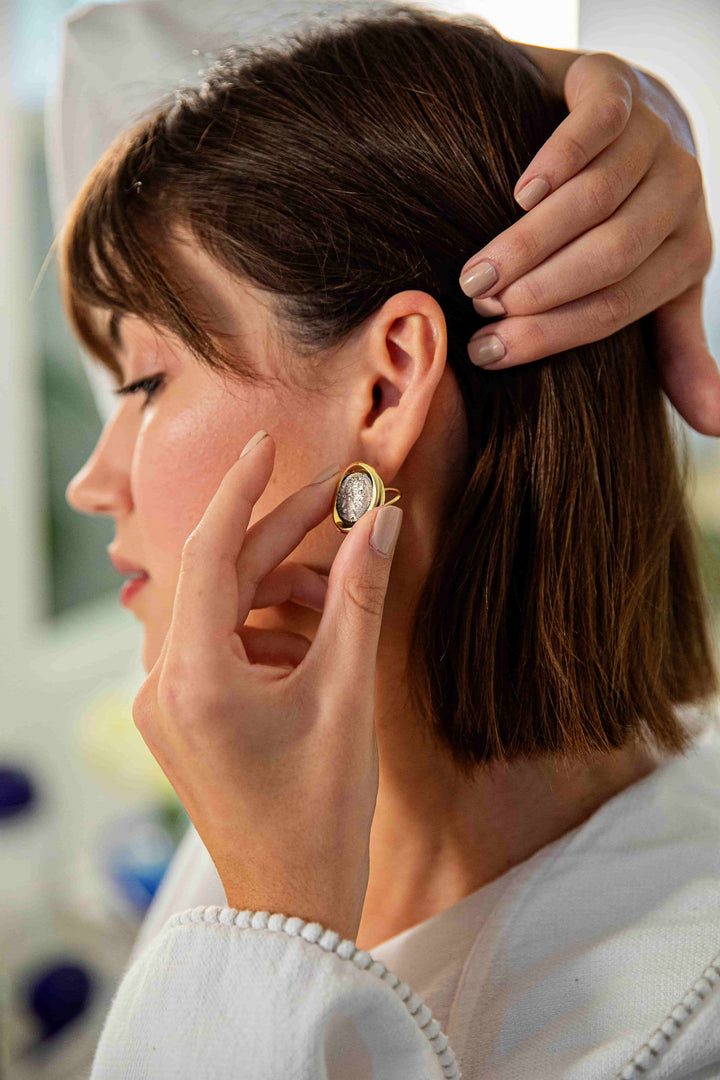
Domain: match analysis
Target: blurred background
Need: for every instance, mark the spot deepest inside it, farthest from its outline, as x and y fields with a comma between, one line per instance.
x=88, y=822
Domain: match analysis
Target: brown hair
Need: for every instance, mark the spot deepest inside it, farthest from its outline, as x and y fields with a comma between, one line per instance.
x=564, y=613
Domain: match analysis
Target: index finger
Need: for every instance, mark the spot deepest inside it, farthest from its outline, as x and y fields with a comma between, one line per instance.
x=600, y=99
x=599, y=95
x=205, y=611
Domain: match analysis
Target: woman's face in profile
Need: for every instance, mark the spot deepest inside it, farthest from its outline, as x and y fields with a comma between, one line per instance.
x=156, y=466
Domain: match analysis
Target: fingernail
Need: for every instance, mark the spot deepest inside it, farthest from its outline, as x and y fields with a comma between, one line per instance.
x=490, y=307
x=486, y=350
x=532, y=193
x=385, y=529
x=252, y=443
x=478, y=279
x=325, y=474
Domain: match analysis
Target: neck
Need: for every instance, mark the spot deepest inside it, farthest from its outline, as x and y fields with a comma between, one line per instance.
x=437, y=837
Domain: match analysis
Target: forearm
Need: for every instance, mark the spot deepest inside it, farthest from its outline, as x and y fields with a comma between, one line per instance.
x=554, y=63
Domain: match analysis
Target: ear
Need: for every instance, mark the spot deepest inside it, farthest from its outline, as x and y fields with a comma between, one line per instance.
x=404, y=357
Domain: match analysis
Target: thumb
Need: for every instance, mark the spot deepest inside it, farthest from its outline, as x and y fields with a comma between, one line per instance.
x=688, y=372
x=344, y=649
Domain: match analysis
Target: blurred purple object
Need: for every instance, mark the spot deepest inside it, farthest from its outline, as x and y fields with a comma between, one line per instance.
x=59, y=994
x=17, y=794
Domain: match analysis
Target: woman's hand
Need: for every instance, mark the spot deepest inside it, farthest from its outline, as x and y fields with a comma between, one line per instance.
x=623, y=231
x=277, y=766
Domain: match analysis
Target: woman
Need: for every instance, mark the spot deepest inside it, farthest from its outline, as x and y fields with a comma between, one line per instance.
x=465, y=761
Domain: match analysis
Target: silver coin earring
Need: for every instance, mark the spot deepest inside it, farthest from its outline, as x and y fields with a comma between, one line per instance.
x=358, y=490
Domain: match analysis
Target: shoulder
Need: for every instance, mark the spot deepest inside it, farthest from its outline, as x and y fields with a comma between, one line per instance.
x=603, y=938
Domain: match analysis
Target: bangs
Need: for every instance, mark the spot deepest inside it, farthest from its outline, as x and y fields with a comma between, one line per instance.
x=114, y=258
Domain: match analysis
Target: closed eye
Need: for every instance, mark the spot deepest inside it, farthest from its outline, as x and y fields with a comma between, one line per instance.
x=149, y=385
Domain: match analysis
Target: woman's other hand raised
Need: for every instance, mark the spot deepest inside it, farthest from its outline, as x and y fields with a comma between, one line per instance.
x=617, y=227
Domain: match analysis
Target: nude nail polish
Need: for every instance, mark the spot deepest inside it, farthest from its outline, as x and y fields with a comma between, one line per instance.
x=490, y=307
x=532, y=193
x=478, y=279
x=485, y=350
x=325, y=474
x=252, y=443
x=386, y=529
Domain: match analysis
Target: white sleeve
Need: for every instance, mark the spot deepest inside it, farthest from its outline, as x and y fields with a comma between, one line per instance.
x=686, y=1046
x=254, y=996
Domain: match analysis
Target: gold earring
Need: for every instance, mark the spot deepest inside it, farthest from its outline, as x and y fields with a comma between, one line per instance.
x=358, y=490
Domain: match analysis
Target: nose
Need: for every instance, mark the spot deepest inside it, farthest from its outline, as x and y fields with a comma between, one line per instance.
x=102, y=485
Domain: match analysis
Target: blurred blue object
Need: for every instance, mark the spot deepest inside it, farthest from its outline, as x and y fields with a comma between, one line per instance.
x=137, y=852
x=17, y=793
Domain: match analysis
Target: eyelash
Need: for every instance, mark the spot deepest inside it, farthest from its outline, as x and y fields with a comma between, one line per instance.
x=149, y=385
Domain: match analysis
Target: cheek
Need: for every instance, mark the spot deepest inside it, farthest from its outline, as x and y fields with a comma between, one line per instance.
x=178, y=464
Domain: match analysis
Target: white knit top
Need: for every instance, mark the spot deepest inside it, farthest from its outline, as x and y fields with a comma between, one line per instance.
x=598, y=958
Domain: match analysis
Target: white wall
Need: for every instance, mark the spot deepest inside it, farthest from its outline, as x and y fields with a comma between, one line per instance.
x=553, y=24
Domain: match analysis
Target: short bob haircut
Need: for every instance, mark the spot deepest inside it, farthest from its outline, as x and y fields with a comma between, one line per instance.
x=359, y=156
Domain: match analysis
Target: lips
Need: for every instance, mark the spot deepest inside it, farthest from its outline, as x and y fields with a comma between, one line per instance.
x=123, y=566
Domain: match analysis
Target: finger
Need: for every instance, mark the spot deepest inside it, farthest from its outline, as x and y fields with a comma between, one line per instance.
x=522, y=339
x=602, y=256
x=205, y=611
x=688, y=372
x=277, y=534
x=292, y=582
x=599, y=94
x=585, y=201
x=343, y=654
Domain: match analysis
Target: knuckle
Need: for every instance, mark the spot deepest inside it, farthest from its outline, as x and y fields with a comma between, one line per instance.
x=613, y=108
x=613, y=309
x=621, y=69
x=365, y=595
x=695, y=246
x=576, y=155
x=523, y=249
x=618, y=76
x=529, y=296
x=143, y=709
x=606, y=190
x=702, y=258
x=172, y=694
x=182, y=697
x=664, y=220
x=625, y=251
x=532, y=342
x=192, y=546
